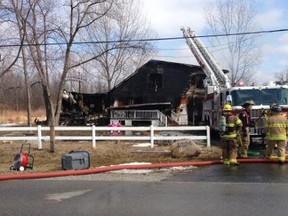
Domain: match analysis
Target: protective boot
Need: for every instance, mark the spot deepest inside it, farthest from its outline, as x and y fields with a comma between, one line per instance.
x=281, y=160
x=226, y=162
x=233, y=162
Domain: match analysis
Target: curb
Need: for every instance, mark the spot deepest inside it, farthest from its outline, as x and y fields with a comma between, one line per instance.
x=23, y=176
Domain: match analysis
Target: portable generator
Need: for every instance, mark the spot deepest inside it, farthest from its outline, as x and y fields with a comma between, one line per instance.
x=22, y=160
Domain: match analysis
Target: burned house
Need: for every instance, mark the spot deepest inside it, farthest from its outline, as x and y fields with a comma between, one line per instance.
x=174, y=89
x=82, y=109
x=157, y=93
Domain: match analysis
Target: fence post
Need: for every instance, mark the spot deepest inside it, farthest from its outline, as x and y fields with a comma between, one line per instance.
x=39, y=137
x=152, y=136
x=208, y=136
x=93, y=136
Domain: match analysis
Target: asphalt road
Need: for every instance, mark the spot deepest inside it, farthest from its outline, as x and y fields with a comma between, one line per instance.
x=251, y=189
x=250, y=173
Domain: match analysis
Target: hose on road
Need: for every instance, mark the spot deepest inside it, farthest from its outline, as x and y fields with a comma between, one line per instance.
x=23, y=176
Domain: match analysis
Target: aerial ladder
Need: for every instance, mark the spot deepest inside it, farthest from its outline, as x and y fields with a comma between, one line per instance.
x=215, y=75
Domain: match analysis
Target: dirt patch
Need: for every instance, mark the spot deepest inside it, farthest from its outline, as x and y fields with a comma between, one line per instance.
x=105, y=154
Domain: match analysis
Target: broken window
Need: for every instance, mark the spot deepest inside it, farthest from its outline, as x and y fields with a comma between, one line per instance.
x=197, y=81
x=155, y=81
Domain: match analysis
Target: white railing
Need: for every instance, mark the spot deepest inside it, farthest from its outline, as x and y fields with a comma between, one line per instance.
x=112, y=133
x=181, y=119
x=139, y=115
x=163, y=118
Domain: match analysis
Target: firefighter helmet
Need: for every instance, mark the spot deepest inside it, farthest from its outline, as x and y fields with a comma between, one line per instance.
x=248, y=102
x=275, y=108
x=227, y=108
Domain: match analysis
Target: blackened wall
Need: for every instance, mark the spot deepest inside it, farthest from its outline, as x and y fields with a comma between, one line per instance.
x=93, y=103
x=156, y=82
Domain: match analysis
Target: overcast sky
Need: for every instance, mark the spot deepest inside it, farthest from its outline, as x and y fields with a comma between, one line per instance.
x=168, y=16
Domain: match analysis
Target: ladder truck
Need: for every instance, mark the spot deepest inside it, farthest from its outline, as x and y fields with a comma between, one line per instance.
x=219, y=91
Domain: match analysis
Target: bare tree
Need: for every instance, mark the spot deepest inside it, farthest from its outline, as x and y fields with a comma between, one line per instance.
x=282, y=77
x=13, y=12
x=21, y=26
x=7, y=61
x=234, y=16
x=121, y=26
x=81, y=14
x=12, y=90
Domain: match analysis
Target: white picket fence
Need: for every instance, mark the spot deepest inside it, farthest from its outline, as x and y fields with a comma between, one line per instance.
x=112, y=133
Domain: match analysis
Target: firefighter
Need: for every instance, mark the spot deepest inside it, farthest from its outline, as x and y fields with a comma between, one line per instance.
x=245, y=117
x=229, y=140
x=276, y=133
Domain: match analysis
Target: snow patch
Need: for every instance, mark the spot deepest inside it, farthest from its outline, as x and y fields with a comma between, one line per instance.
x=143, y=171
x=133, y=171
x=134, y=163
x=142, y=145
x=181, y=168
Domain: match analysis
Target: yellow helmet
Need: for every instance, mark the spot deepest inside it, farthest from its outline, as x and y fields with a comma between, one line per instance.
x=227, y=107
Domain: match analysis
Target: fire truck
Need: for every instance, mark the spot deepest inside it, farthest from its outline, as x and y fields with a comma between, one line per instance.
x=219, y=90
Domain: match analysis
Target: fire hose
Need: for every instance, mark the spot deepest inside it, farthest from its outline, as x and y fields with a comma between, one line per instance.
x=121, y=167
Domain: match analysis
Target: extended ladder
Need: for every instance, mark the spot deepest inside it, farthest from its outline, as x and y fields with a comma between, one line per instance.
x=211, y=69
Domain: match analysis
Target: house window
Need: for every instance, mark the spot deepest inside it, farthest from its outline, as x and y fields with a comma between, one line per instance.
x=155, y=81
x=197, y=81
x=159, y=69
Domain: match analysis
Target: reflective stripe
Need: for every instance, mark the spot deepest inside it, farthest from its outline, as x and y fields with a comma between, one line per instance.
x=231, y=132
x=230, y=136
x=238, y=122
x=276, y=137
x=276, y=131
x=277, y=125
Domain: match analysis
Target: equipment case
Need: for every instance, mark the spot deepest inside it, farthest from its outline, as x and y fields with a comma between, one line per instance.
x=76, y=160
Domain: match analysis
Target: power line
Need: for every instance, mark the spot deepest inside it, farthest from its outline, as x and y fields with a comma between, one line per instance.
x=245, y=33
x=223, y=45
x=144, y=40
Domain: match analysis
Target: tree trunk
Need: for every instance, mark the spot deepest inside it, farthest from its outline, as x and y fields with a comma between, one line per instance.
x=50, y=117
x=27, y=87
x=52, y=138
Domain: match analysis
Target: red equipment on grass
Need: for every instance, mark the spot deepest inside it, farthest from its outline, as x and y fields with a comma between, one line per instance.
x=115, y=124
x=22, y=160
